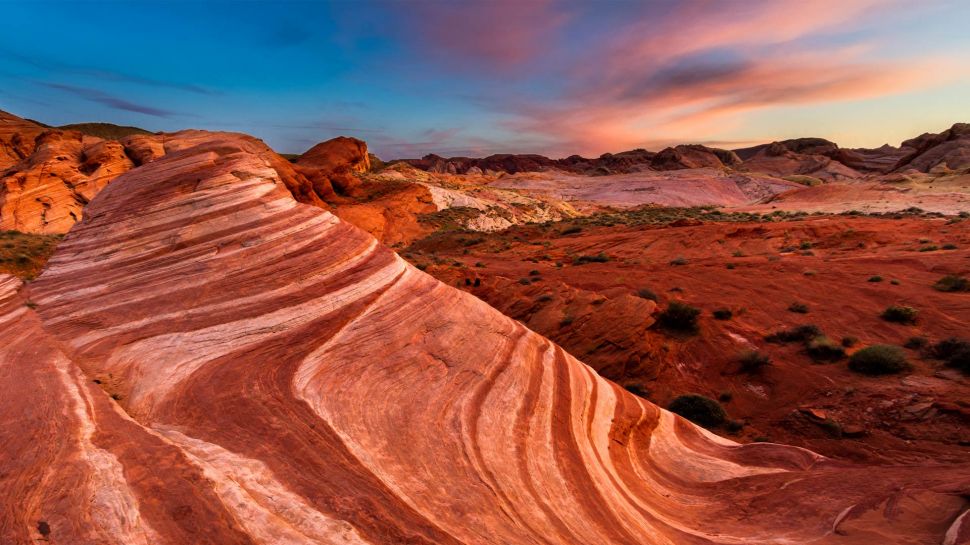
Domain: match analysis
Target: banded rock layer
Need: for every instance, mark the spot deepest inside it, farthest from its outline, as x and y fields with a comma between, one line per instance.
x=205, y=360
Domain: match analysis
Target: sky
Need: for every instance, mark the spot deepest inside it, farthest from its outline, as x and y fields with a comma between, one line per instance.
x=476, y=77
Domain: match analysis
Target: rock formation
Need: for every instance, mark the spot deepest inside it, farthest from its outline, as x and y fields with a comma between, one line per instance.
x=694, y=156
x=205, y=360
x=949, y=150
x=330, y=166
x=813, y=157
x=45, y=191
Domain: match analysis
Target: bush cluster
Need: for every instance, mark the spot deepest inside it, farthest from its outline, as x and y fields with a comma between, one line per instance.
x=699, y=409
x=955, y=352
x=879, y=359
x=900, y=314
x=679, y=316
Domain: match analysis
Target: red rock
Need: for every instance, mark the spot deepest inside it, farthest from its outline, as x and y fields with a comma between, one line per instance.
x=693, y=156
x=282, y=378
x=46, y=191
x=330, y=166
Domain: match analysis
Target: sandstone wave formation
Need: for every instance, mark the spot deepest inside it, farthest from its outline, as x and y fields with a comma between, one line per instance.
x=206, y=360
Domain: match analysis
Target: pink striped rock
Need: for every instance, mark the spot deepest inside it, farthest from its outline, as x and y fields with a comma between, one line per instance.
x=205, y=360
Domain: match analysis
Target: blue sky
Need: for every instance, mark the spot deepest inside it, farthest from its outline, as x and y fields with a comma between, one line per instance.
x=474, y=77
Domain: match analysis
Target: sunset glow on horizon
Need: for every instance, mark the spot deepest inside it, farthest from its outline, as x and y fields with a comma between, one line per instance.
x=502, y=76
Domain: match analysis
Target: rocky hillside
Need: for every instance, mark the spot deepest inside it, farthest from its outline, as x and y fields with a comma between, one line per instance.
x=206, y=360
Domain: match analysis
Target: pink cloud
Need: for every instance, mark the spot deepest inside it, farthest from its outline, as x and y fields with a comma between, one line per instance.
x=609, y=119
x=497, y=34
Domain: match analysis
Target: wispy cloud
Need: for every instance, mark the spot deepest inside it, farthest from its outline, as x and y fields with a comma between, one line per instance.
x=61, y=69
x=110, y=101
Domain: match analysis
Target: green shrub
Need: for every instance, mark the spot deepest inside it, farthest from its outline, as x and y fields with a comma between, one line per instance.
x=879, y=359
x=722, y=314
x=802, y=333
x=637, y=390
x=800, y=308
x=850, y=341
x=900, y=314
x=955, y=352
x=598, y=258
x=646, y=293
x=952, y=282
x=753, y=361
x=699, y=409
x=824, y=349
x=915, y=343
x=679, y=316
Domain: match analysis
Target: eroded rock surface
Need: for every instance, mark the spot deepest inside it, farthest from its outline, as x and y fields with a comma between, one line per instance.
x=205, y=360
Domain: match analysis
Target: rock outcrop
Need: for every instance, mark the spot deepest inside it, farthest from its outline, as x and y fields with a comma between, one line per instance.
x=813, y=157
x=16, y=139
x=694, y=156
x=330, y=166
x=949, y=150
x=46, y=191
x=205, y=360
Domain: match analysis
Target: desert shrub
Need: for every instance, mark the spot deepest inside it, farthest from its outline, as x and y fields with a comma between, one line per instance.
x=952, y=282
x=730, y=266
x=646, y=293
x=849, y=341
x=753, y=361
x=734, y=426
x=544, y=298
x=894, y=282
x=722, y=314
x=800, y=308
x=949, y=246
x=810, y=272
x=680, y=260
x=915, y=343
x=824, y=349
x=737, y=253
x=875, y=278
x=955, y=352
x=637, y=390
x=525, y=281
x=929, y=248
x=571, y=230
x=699, y=410
x=900, y=314
x=879, y=359
x=567, y=320
x=802, y=333
x=805, y=245
x=809, y=181
x=598, y=258
x=534, y=272
x=679, y=316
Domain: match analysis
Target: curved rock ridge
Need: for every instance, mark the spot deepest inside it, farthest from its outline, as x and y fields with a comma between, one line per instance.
x=218, y=363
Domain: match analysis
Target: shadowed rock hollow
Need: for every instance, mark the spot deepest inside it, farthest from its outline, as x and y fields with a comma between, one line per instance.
x=205, y=360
